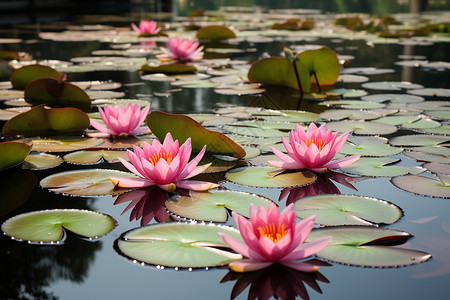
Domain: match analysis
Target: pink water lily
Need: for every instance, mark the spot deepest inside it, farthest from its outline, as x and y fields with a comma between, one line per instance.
x=165, y=165
x=273, y=237
x=121, y=120
x=313, y=150
x=146, y=27
x=181, y=49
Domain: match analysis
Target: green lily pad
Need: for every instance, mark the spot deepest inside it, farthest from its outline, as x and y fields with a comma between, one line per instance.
x=431, y=92
x=182, y=127
x=169, y=69
x=346, y=93
x=41, y=121
x=41, y=161
x=56, y=93
x=213, y=205
x=427, y=140
x=366, y=246
x=63, y=144
x=47, y=226
x=26, y=74
x=215, y=32
x=259, y=177
x=438, y=114
x=421, y=156
x=443, y=129
x=380, y=167
x=279, y=71
x=255, y=131
x=95, y=156
x=322, y=62
x=353, y=104
x=333, y=210
x=293, y=116
x=431, y=105
x=352, y=114
x=424, y=185
x=13, y=153
x=409, y=122
x=211, y=119
x=287, y=126
x=362, y=127
x=370, y=149
x=391, y=85
x=396, y=98
x=88, y=182
x=178, y=245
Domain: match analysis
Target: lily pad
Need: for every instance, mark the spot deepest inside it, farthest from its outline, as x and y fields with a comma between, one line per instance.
x=293, y=116
x=88, y=182
x=391, y=85
x=169, y=69
x=215, y=32
x=346, y=93
x=370, y=149
x=424, y=185
x=396, y=98
x=47, y=226
x=95, y=156
x=410, y=122
x=13, y=153
x=182, y=127
x=24, y=75
x=443, y=129
x=437, y=168
x=322, y=64
x=41, y=121
x=63, y=144
x=260, y=177
x=427, y=140
x=352, y=114
x=438, y=114
x=366, y=246
x=362, y=127
x=255, y=131
x=431, y=92
x=56, y=93
x=333, y=210
x=380, y=167
x=421, y=156
x=213, y=205
x=353, y=104
x=41, y=161
x=179, y=245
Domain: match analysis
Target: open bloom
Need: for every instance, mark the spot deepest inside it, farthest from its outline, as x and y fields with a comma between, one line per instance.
x=121, y=120
x=146, y=27
x=180, y=49
x=271, y=237
x=313, y=150
x=166, y=165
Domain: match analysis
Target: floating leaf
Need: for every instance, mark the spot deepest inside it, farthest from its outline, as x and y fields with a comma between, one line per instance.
x=13, y=153
x=346, y=93
x=63, y=144
x=88, y=182
x=410, y=122
x=95, y=156
x=421, y=156
x=254, y=131
x=213, y=205
x=182, y=127
x=266, y=125
x=361, y=127
x=365, y=246
x=420, y=140
x=293, y=116
x=169, y=69
x=424, y=185
x=56, y=93
x=437, y=168
x=24, y=75
x=333, y=210
x=322, y=64
x=391, y=85
x=396, y=98
x=367, y=71
x=259, y=177
x=41, y=161
x=47, y=226
x=438, y=114
x=352, y=114
x=431, y=92
x=353, y=104
x=443, y=129
x=179, y=245
x=380, y=166
x=46, y=122
x=370, y=149
x=211, y=119
x=215, y=32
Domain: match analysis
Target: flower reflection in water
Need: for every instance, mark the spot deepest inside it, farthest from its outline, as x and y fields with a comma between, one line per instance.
x=147, y=203
x=276, y=281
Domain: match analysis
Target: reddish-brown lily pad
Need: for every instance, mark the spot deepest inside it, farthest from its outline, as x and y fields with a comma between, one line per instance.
x=215, y=32
x=21, y=77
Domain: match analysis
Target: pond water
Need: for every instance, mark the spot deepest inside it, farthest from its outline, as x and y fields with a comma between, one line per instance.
x=83, y=269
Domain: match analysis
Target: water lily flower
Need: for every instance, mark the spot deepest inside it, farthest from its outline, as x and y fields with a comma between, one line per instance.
x=165, y=165
x=313, y=150
x=146, y=28
x=121, y=120
x=180, y=49
x=273, y=237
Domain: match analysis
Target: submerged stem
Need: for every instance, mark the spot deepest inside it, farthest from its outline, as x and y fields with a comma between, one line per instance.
x=317, y=82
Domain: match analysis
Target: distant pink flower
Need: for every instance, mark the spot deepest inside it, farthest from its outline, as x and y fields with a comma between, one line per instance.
x=165, y=165
x=180, y=49
x=121, y=120
x=273, y=237
x=146, y=27
x=313, y=150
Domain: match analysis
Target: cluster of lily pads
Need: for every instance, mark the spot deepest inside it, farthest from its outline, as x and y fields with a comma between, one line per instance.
x=48, y=120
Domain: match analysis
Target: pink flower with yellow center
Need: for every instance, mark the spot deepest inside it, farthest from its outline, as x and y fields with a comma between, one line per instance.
x=165, y=165
x=273, y=237
x=121, y=120
x=146, y=28
x=313, y=150
x=180, y=49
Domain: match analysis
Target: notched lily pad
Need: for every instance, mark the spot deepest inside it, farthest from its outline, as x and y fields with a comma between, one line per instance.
x=367, y=247
x=362, y=128
x=178, y=245
x=215, y=32
x=353, y=104
x=213, y=205
x=48, y=226
x=391, y=85
x=95, y=156
x=380, y=167
x=63, y=144
x=41, y=161
x=424, y=185
x=352, y=114
x=333, y=210
x=260, y=177
x=370, y=149
x=24, y=75
x=13, y=153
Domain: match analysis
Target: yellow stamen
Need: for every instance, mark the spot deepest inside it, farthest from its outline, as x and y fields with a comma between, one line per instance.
x=168, y=157
x=319, y=143
x=273, y=231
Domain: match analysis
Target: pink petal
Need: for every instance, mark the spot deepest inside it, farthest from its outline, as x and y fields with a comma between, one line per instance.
x=100, y=127
x=300, y=266
x=343, y=162
x=248, y=265
x=308, y=249
x=196, y=185
x=239, y=246
x=125, y=182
